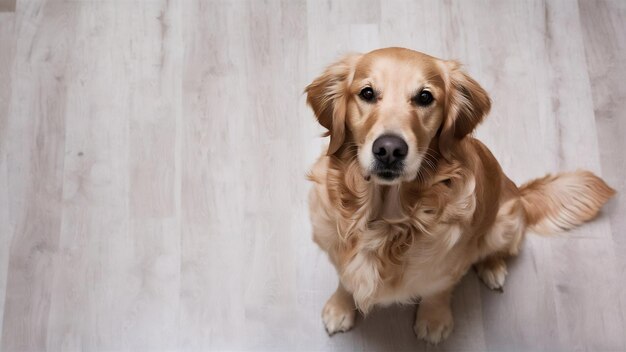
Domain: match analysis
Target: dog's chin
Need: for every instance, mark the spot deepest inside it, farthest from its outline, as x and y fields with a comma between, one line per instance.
x=386, y=182
x=387, y=178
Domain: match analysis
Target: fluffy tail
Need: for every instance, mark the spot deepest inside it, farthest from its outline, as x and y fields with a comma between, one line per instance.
x=560, y=202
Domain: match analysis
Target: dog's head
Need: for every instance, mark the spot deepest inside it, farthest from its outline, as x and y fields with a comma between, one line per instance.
x=393, y=105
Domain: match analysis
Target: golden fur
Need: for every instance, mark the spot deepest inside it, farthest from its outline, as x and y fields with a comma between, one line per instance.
x=453, y=207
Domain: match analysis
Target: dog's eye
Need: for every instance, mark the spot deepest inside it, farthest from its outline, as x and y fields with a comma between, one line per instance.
x=367, y=94
x=424, y=98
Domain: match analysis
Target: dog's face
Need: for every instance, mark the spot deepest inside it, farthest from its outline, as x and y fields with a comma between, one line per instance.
x=390, y=104
x=396, y=108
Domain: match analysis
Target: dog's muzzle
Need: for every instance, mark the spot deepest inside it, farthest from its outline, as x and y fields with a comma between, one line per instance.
x=389, y=154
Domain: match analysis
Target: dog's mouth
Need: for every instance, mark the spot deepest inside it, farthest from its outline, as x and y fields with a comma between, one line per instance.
x=388, y=173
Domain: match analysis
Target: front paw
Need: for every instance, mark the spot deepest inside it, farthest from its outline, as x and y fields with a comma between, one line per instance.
x=433, y=325
x=338, y=315
x=493, y=273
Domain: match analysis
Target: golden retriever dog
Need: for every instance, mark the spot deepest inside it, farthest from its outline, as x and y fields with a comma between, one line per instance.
x=405, y=201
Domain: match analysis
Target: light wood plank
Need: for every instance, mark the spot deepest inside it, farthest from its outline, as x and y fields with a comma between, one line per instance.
x=120, y=240
x=35, y=149
x=7, y=42
x=603, y=30
x=596, y=324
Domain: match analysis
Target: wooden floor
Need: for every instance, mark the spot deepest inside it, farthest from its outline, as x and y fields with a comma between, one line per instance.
x=153, y=154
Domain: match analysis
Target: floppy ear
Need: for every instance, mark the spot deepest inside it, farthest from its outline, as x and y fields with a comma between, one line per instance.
x=327, y=96
x=466, y=105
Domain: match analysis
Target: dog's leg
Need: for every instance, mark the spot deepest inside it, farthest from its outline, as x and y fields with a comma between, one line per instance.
x=492, y=271
x=339, y=312
x=434, y=322
x=504, y=240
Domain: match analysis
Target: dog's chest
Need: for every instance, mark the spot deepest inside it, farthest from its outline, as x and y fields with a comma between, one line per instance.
x=374, y=281
x=406, y=251
x=374, y=277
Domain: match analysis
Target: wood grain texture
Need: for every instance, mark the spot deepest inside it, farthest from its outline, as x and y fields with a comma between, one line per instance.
x=153, y=153
x=605, y=49
x=7, y=42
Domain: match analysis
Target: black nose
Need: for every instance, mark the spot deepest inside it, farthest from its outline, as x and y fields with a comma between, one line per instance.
x=389, y=149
